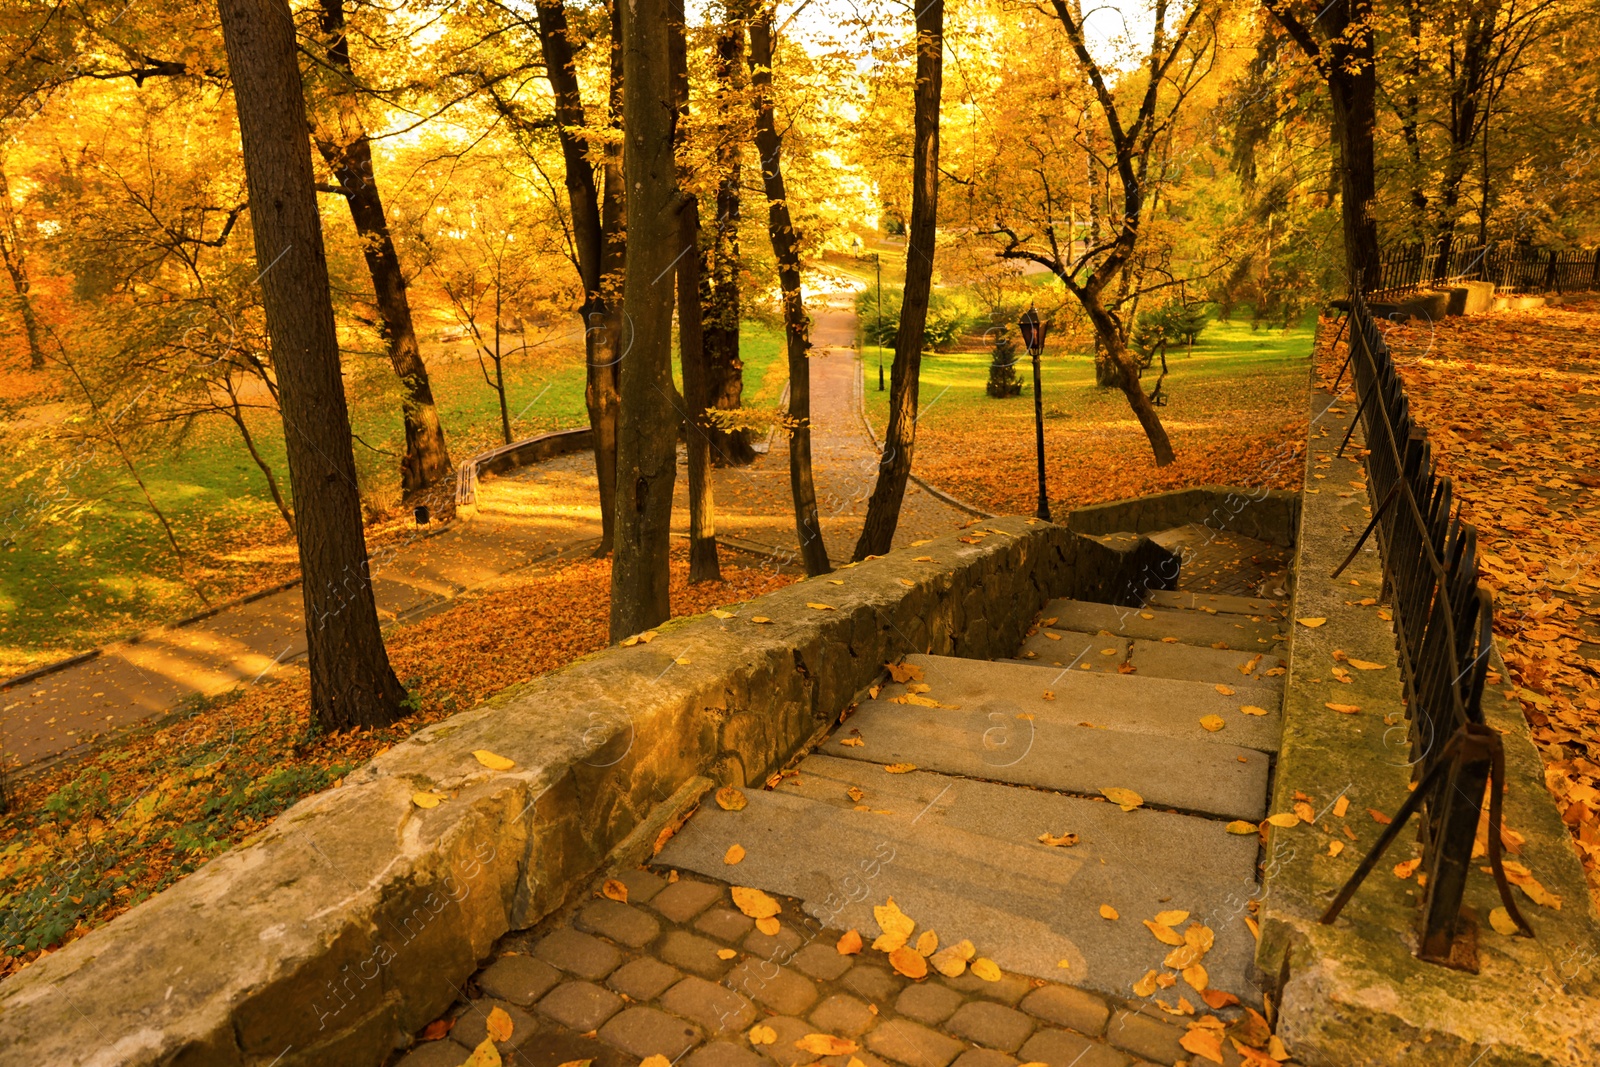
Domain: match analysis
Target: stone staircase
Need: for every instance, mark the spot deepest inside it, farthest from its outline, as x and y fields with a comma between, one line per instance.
x=935, y=790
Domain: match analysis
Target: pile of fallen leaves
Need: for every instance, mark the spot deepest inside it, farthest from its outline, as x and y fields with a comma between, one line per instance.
x=91, y=839
x=1510, y=401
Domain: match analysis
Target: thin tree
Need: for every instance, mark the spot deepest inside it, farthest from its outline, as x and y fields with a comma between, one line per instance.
x=647, y=433
x=730, y=446
x=352, y=683
x=692, y=284
x=343, y=141
x=1343, y=55
x=796, y=323
x=899, y=437
x=15, y=257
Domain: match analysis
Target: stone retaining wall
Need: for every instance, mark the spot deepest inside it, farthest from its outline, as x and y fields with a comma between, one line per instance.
x=348, y=923
x=1353, y=992
x=1265, y=514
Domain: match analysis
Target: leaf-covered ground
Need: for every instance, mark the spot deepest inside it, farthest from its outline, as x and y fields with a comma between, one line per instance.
x=1236, y=415
x=93, y=838
x=1511, y=403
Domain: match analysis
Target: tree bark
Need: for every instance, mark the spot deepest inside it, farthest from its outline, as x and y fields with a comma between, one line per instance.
x=647, y=434
x=589, y=241
x=352, y=683
x=17, y=267
x=900, y=436
x=703, y=564
x=797, y=325
x=724, y=367
x=347, y=149
x=602, y=392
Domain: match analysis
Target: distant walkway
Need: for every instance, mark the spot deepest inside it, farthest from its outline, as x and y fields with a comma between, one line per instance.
x=543, y=512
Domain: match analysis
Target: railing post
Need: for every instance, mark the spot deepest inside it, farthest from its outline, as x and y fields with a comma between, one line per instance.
x=1451, y=824
x=1594, y=274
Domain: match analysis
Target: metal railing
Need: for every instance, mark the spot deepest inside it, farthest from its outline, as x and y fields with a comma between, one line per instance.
x=1514, y=268
x=1443, y=622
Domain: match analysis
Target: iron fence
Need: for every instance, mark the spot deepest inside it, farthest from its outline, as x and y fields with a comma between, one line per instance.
x=1443, y=623
x=1514, y=268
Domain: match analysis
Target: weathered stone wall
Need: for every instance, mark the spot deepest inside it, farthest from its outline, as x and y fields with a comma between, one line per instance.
x=1353, y=992
x=1266, y=514
x=349, y=922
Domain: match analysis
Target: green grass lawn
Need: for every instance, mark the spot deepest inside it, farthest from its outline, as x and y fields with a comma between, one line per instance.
x=88, y=563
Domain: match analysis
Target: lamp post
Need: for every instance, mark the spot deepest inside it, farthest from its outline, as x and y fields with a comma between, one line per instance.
x=1033, y=332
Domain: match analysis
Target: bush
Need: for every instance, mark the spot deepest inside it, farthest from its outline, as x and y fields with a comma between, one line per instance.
x=945, y=323
x=1159, y=328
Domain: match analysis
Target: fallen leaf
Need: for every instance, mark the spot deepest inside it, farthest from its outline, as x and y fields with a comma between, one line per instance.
x=1216, y=999
x=851, y=742
x=762, y=619
x=1406, y=869
x=1146, y=986
x=731, y=799
x=909, y=962
x=908, y=583
x=426, y=800
x=1171, y=918
x=1212, y=723
x=1239, y=826
x=1226, y=691
x=1343, y=709
x=1126, y=799
x=827, y=1045
x=950, y=962
x=1164, y=934
x=1341, y=806
x=1335, y=847
x=921, y=701
x=755, y=903
x=1203, y=1042
x=986, y=969
x=1108, y=912
x=436, y=1030
x=726, y=953
x=900, y=768
x=762, y=1034
x=734, y=854
x=855, y=793
x=1523, y=879
x=720, y=614
x=835, y=581
x=1064, y=841
x=1284, y=819
x=647, y=637
x=1302, y=809
x=1379, y=817
x=1312, y=623
x=499, y=1024
x=1251, y=709
x=491, y=761
x=1502, y=922
x=1365, y=665
x=927, y=943
x=768, y=925
x=820, y=607
x=1197, y=978
x=849, y=943
x=905, y=672
x=895, y=924
x=485, y=1055
x=612, y=889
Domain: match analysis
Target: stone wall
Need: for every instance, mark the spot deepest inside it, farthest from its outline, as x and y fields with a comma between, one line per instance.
x=1265, y=514
x=348, y=923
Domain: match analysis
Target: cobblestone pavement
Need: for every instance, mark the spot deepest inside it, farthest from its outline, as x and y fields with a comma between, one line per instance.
x=677, y=971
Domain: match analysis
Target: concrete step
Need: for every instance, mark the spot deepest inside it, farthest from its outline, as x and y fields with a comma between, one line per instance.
x=1167, y=707
x=1189, y=627
x=962, y=859
x=998, y=740
x=1076, y=651
x=1216, y=603
x=1150, y=659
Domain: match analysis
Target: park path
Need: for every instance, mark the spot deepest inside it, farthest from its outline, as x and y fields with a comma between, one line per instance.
x=540, y=513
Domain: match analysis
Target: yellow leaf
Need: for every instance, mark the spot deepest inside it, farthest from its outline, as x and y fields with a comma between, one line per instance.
x=1313, y=623
x=1343, y=709
x=921, y=701
x=499, y=1024
x=855, y=793
x=820, y=607
x=852, y=742
x=1108, y=912
x=762, y=1034
x=986, y=969
x=762, y=619
x=949, y=961
x=1406, y=869
x=895, y=924
x=485, y=1055
x=614, y=890
x=900, y=768
x=1171, y=918
x=1064, y=841
x=629, y=642
x=849, y=943
x=1284, y=819
x=726, y=953
x=682, y=661
x=730, y=798
x=826, y=1045
x=1196, y=976
x=647, y=636
x=1523, y=879
x=927, y=943
x=754, y=903
x=909, y=962
x=720, y=614
x=1146, y=986
x=1502, y=922
x=1203, y=1042
x=1126, y=799
x=425, y=800
x=1365, y=665
x=1225, y=690
x=1251, y=709
x=835, y=581
x=768, y=926
x=1341, y=806
x=1335, y=847
x=1239, y=826
x=908, y=583
x=1302, y=809
x=1164, y=934
x=1212, y=723
x=491, y=761
x=734, y=854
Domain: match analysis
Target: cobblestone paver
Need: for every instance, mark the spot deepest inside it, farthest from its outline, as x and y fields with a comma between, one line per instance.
x=588, y=984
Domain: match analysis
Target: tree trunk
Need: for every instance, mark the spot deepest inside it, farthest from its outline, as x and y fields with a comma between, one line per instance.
x=345, y=147
x=647, y=435
x=797, y=328
x=588, y=239
x=1353, y=89
x=352, y=683
x=602, y=393
x=17, y=267
x=724, y=368
x=703, y=565
x=900, y=436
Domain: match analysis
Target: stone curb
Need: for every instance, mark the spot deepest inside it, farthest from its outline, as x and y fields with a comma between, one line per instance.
x=347, y=924
x=1265, y=514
